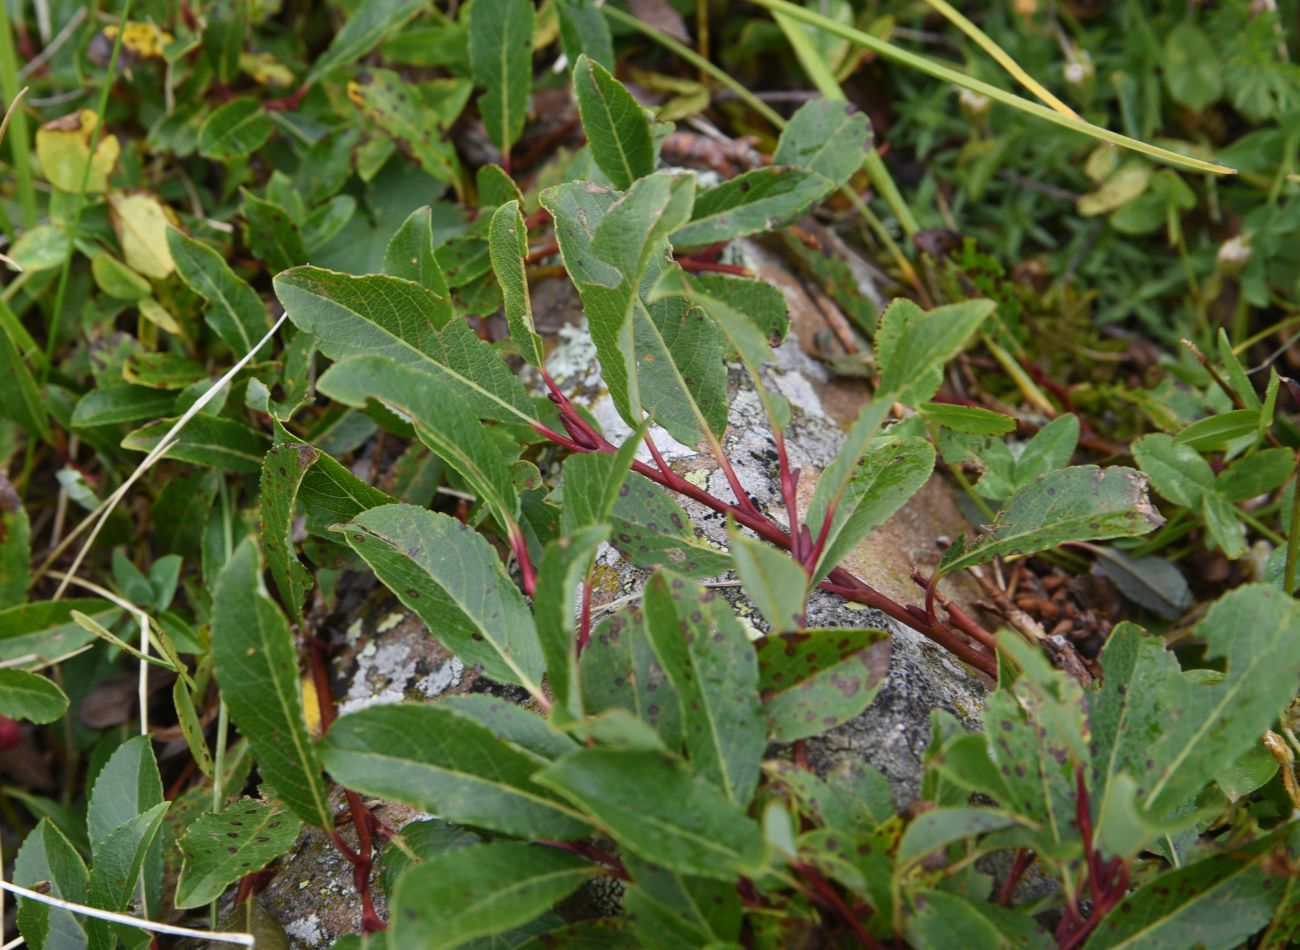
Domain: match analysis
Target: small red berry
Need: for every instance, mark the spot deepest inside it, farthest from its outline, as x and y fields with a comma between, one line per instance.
x=10, y=735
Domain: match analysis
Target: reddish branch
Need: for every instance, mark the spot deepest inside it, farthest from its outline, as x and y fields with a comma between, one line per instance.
x=583, y=438
x=1107, y=880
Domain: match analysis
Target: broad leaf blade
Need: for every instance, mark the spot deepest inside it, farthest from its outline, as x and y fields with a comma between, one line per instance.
x=434, y=758
x=283, y=470
x=615, y=123
x=830, y=138
x=944, y=919
x=221, y=848
x=235, y=312
x=813, y=681
x=257, y=668
x=449, y=575
x=620, y=673
x=760, y=200
x=710, y=661
x=127, y=786
x=649, y=803
x=369, y=23
x=410, y=256
x=501, y=54
x=475, y=892
x=772, y=579
x=28, y=696
x=508, y=244
x=565, y=566
x=1080, y=503
x=15, y=547
x=652, y=531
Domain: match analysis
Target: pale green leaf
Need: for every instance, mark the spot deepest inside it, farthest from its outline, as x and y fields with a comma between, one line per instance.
x=508, y=242
x=760, y=200
x=776, y=584
x=501, y=54
x=27, y=696
x=828, y=137
x=616, y=125
x=370, y=22
x=220, y=848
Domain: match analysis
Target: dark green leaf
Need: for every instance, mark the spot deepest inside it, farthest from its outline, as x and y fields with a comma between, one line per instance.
x=257, y=669
x=616, y=125
x=221, y=848
x=811, y=682
x=474, y=892
x=583, y=31
x=1176, y=471
x=235, y=130
x=501, y=54
x=1050, y=449
x=912, y=344
x=47, y=855
x=282, y=474
x=108, y=405
x=1256, y=474
x=1215, y=432
x=828, y=137
x=1081, y=503
x=20, y=399
x=130, y=850
x=652, y=531
x=46, y=631
x=620, y=672
x=127, y=786
x=649, y=803
x=508, y=243
x=710, y=662
x=369, y=23
x=950, y=920
x=1150, y=582
x=435, y=758
x=272, y=234
x=27, y=696
x=407, y=323
x=694, y=909
x=213, y=441
x=760, y=200
x=450, y=576
x=410, y=255
x=416, y=115
x=15, y=547
x=565, y=564
x=680, y=371
x=162, y=370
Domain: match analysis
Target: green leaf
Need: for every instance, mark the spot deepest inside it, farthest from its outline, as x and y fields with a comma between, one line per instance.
x=1051, y=448
x=282, y=474
x=1176, y=471
x=1150, y=582
x=130, y=851
x=20, y=399
x=969, y=419
x=616, y=125
x=272, y=234
x=162, y=370
x=827, y=137
x=584, y=31
x=235, y=130
x=220, y=848
x=257, y=669
x=128, y=785
x=508, y=242
x=15, y=547
x=696, y=910
x=653, y=531
x=501, y=54
x=235, y=312
x=46, y=855
x=1256, y=474
x=776, y=584
x=435, y=758
x=1216, y=903
x=710, y=662
x=46, y=631
x=212, y=441
x=650, y=804
x=747, y=312
x=1080, y=503
x=370, y=22
x=417, y=115
x=331, y=494
x=1225, y=528
x=410, y=256
x=812, y=681
x=594, y=482
x=1213, y=433
x=1037, y=738
x=620, y=673
x=27, y=696
x=609, y=242
x=912, y=344
x=407, y=323
x=760, y=200
x=680, y=372
x=1191, y=65
x=891, y=471
x=452, y=578
x=191, y=725
x=475, y=892
x=950, y=920
x=109, y=405
x=1256, y=628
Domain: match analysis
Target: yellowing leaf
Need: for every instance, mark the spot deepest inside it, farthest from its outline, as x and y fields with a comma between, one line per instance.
x=159, y=316
x=144, y=40
x=265, y=69
x=63, y=146
x=140, y=220
x=1127, y=183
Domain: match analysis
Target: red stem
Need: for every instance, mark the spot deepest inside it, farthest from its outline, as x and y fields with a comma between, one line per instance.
x=610, y=862
x=823, y=893
x=584, y=628
x=1024, y=858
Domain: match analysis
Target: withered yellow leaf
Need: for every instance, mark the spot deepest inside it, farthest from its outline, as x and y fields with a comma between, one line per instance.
x=63, y=146
x=140, y=220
